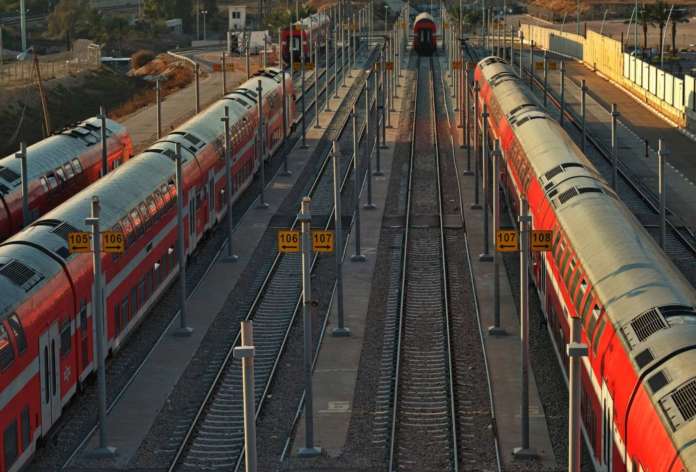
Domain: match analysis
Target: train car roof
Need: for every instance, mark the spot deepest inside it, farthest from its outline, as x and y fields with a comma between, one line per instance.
x=54, y=151
x=312, y=20
x=423, y=16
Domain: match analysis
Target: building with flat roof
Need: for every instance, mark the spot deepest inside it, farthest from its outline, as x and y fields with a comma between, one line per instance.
x=237, y=17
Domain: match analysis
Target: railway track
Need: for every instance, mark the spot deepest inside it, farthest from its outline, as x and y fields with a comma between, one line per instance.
x=79, y=424
x=643, y=203
x=214, y=438
x=424, y=429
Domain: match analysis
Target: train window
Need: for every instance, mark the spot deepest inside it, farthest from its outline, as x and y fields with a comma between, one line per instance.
x=18, y=332
x=151, y=207
x=52, y=183
x=579, y=295
x=65, y=338
x=144, y=213
x=141, y=293
x=597, y=337
x=137, y=222
x=559, y=254
x=77, y=166
x=68, y=170
x=26, y=428
x=127, y=229
x=83, y=318
x=9, y=442
x=44, y=183
x=124, y=314
x=6, y=351
x=159, y=201
x=564, y=262
x=133, y=303
x=596, y=311
x=60, y=175
x=586, y=307
x=566, y=275
x=556, y=241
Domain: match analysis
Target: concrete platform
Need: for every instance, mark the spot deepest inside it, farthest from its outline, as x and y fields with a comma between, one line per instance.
x=336, y=371
x=130, y=420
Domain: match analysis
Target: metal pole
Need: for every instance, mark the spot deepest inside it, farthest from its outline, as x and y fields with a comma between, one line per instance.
x=575, y=351
x=305, y=218
x=246, y=53
x=521, y=45
x=262, y=147
x=246, y=352
x=184, y=329
x=316, y=87
x=368, y=151
x=383, y=69
x=340, y=330
x=158, y=99
x=231, y=257
x=327, y=105
x=546, y=76
x=224, y=72
x=357, y=256
x=583, y=109
x=477, y=164
x=302, y=86
x=531, y=65
x=23, y=23
x=285, y=102
x=485, y=183
x=198, y=89
x=562, y=117
x=335, y=65
x=22, y=156
x=496, y=329
x=98, y=302
x=104, y=142
x=662, y=154
x=614, y=148
x=467, y=111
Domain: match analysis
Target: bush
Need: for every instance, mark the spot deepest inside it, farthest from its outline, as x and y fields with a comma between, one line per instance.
x=142, y=57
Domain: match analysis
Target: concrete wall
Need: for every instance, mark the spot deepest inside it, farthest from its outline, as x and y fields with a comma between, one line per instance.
x=673, y=97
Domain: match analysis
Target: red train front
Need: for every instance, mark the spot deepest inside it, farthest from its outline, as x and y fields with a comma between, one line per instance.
x=638, y=312
x=424, y=34
x=307, y=34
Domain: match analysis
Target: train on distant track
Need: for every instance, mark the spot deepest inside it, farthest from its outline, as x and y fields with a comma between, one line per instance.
x=309, y=33
x=424, y=34
x=47, y=331
x=57, y=168
x=637, y=310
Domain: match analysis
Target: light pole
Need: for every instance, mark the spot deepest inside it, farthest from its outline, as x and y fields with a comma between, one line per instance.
x=204, y=13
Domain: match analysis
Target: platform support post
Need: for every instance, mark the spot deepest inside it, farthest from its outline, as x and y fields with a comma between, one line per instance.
x=561, y=118
x=104, y=139
x=524, y=451
x=231, y=257
x=583, y=112
x=357, y=256
x=304, y=91
x=248, y=66
x=485, y=184
x=467, y=111
x=521, y=49
x=246, y=353
x=316, y=87
x=309, y=450
x=340, y=330
x=261, y=136
x=576, y=351
x=104, y=450
x=327, y=104
x=223, y=63
x=477, y=164
x=614, y=148
x=368, y=144
x=496, y=329
x=184, y=330
x=158, y=109
x=22, y=156
x=662, y=154
x=546, y=77
x=335, y=65
x=531, y=65
x=197, y=69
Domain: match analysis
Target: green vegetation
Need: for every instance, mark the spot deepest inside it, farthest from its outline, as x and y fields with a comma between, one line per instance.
x=281, y=17
x=658, y=15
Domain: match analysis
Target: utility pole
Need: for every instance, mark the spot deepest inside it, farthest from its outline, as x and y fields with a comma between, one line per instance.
x=662, y=154
x=262, y=147
x=22, y=156
x=576, y=351
x=485, y=256
x=496, y=329
x=614, y=148
x=158, y=100
x=340, y=330
x=246, y=353
x=104, y=149
x=184, y=330
x=231, y=257
x=23, y=23
x=358, y=256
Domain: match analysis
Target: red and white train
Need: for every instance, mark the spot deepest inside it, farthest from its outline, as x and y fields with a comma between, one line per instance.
x=637, y=310
x=46, y=324
x=424, y=34
x=58, y=167
x=314, y=27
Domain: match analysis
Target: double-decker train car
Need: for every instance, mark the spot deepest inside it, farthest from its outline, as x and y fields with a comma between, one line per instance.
x=424, y=34
x=47, y=330
x=57, y=168
x=314, y=27
x=637, y=311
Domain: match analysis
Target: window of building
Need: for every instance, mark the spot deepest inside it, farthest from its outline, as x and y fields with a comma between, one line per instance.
x=18, y=331
x=65, y=338
x=9, y=442
x=6, y=351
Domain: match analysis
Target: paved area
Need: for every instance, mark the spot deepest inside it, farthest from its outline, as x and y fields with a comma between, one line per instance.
x=131, y=419
x=336, y=371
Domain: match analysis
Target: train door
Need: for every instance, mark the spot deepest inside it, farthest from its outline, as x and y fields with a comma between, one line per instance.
x=211, y=200
x=425, y=36
x=49, y=359
x=607, y=428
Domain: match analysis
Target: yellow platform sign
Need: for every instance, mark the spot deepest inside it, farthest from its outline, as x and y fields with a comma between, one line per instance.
x=456, y=65
x=79, y=242
x=542, y=240
x=288, y=240
x=322, y=241
x=113, y=242
x=506, y=240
